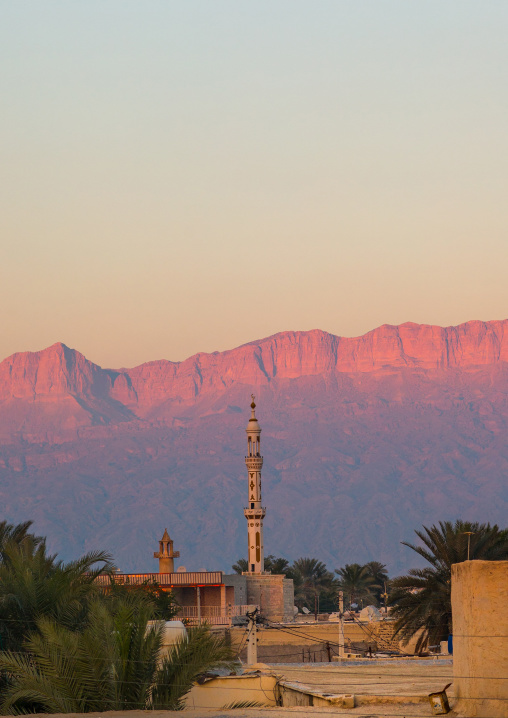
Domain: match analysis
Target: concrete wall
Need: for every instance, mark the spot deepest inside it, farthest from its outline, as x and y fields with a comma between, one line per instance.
x=262, y=687
x=288, y=590
x=275, y=646
x=188, y=596
x=480, y=638
x=222, y=691
x=274, y=593
x=239, y=584
x=291, y=653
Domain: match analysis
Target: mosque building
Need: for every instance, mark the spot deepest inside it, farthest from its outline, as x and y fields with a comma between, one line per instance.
x=216, y=597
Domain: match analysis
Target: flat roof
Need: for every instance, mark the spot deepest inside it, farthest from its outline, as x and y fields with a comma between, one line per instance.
x=179, y=578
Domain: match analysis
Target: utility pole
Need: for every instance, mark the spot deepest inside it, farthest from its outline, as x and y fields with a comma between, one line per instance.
x=384, y=596
x=315, y=607
x=341, y=625
x=252, y=639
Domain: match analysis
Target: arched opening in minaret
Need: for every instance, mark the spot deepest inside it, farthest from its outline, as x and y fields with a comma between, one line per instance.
x=257, y=447
x=250, y=446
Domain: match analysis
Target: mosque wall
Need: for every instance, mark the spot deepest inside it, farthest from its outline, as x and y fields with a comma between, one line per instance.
x=274, y=594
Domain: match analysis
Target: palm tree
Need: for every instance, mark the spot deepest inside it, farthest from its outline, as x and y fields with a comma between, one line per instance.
x=165, y=605
x=273, y=564
x=241, y=566
x=311, y=578
x=34, y=584
x=199, y=652
x=276, y=564
x=357, y=582
x=379, y=575
x=421, y=600
x=112, y=664
x=16, y=533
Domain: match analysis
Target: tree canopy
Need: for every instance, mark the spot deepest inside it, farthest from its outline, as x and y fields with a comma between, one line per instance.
x=315, y=585
x=357, y=582
x=421, y=599
x=70, y=645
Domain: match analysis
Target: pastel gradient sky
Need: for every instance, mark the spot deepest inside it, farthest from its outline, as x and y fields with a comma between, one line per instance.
x=188, y=176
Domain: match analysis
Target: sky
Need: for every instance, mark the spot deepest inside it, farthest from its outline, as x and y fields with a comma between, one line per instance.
x=189, y=176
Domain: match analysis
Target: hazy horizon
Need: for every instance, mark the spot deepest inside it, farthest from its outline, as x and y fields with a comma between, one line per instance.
x=186, y=177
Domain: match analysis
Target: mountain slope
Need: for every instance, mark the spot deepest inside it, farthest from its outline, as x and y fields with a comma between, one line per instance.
x=364, y=439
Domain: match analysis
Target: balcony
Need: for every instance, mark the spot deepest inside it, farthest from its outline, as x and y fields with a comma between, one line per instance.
x=213, y=615
x=183, y=578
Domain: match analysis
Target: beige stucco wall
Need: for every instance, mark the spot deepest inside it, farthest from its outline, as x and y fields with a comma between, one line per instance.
x=223, y=691
x=480, y=637
x=294, y=644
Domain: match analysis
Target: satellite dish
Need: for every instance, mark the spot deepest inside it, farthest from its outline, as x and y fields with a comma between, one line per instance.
x=181, y=569
x=370, y=613
x=305, y=610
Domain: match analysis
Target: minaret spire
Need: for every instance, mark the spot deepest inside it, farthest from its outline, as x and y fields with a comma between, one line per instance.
x=254, y=513
x=166, y=555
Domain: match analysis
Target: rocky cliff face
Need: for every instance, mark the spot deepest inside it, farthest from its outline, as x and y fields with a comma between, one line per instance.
x=364, y=439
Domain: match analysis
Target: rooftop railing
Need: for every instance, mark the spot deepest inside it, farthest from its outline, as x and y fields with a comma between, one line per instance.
x=181, y=578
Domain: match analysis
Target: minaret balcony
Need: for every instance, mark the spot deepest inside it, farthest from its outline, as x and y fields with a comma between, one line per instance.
x=162, y=554
x=255, y=463
x=259, y=513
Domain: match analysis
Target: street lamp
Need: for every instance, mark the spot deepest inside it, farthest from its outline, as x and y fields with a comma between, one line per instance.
x=468, y=534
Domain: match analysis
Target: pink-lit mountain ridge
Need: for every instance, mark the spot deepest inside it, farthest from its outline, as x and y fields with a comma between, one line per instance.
x=364, y=439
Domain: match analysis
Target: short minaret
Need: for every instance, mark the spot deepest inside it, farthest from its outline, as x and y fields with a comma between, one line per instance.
x=254, y=513
x=166, y=555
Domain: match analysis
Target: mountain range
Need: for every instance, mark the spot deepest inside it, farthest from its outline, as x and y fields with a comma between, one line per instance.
x=365, y=439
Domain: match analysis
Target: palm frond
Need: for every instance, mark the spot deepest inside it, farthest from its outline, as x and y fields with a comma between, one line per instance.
x=241, y=704
x=421, y=600
x=198, y=652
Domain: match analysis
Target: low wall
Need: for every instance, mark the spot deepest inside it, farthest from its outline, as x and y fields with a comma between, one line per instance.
x=289, y=653
x=480, y=638
x=223, y=691
x=297, y=643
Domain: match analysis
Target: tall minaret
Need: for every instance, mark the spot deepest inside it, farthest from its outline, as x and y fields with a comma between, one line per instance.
x=166, y=555
x=254, y=513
